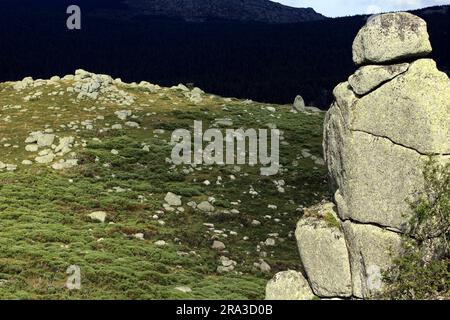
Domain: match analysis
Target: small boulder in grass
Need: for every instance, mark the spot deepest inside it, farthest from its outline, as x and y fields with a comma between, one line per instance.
x=99, y=216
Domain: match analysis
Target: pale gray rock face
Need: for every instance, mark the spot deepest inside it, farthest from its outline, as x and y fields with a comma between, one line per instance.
x=379, y=179
x=368, y=78
x=375, y=146
x=384, y=124
x=323, y=252
x=391, y=37
x=412, y=110
x=372, y=251
x=289, y=285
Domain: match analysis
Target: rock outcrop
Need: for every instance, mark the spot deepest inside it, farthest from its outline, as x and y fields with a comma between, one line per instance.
x=323, y=252
x=391, y=37
x=386, y=121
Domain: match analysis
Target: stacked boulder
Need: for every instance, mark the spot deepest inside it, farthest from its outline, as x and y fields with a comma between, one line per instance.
x=386, y=121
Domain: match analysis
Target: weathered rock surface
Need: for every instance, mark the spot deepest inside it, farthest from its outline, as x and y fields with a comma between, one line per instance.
x=323, y=252
x=172, y=199
x=375, y=146
x=412, y=110
x=289, y=285
x=368, y=78
x=98, y=216
x=371, y=250
x=205, y=206
x=390, y=37
x=384, y=125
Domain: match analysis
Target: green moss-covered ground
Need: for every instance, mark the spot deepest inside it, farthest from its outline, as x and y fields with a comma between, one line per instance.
x=44, y=223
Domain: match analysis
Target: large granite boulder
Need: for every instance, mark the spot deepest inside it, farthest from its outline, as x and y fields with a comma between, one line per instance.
x=323, y=252
x=372, y=250
x=376, y=145
x=289, y=285
x=387, y=120
x=391, y=37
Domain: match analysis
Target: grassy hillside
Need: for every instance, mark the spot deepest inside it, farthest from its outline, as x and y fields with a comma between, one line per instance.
x=44, y=213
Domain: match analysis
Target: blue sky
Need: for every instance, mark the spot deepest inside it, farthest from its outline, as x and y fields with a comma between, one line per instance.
x=337, y=8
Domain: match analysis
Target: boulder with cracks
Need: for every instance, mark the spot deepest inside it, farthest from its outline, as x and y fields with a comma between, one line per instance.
x=387, y=120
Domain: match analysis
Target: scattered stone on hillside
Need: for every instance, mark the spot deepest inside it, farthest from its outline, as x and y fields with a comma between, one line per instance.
x=223, y=122
x=184, y=289
x=32, y=148
x=367, y=78
x=116, y=127
x=153, y=88
x=192, y=204
x=114, y=152
x=195, y=96
x=41, y=139
x=45, y=157
x=218, y=245
x=256, y=223
x=205, y=206
x=132, y=124
x=323, y=251
x=98, y=216
x=160, y=243
x=172, y=199
x=65, y=164
x=21, y=85
x=299, y=104
x=227, y=265
x=27, y=162
x=264, y=267
x=391, y=37
x=11, y=167
x=123, y=114
x=270, y=242
x=289, y=285
x=139, y=236
x=372, y=250
x=65, y=145
x=55, y=79
x=180, y=87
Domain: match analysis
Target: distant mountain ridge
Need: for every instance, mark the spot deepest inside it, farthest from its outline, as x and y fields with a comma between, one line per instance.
x=267, y=62
x=233, y=10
